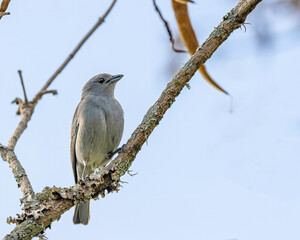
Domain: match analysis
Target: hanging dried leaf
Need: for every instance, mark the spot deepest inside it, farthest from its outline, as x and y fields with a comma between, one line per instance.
x=189, y=38
x=4, y=5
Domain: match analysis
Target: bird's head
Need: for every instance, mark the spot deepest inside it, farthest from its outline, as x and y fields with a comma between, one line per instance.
x=101, y=84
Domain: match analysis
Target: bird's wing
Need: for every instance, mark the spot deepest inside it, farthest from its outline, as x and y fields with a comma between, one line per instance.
x=74, y=131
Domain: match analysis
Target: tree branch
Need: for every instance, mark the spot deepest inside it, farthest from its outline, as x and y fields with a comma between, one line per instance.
x=18, y=171
x=168, y=28
x=26, y=111
x=53, y=202
x=23, y=86
x=41, y=93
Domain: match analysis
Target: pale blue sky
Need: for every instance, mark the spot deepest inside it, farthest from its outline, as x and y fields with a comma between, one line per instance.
x=205, y=173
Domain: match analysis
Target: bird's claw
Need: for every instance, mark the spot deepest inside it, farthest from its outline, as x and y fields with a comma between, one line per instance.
x=118, y=150
x=121, y=149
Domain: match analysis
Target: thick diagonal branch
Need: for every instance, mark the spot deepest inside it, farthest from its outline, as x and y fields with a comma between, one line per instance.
x=18, y=170
x=56, y=201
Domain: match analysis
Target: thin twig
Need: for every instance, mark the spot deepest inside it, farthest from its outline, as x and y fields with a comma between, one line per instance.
x=168, y=29
x=131, y=174
x=72, y=54
x=23, y=86
x=55, y=201
x=26, y=112
x=38, y=96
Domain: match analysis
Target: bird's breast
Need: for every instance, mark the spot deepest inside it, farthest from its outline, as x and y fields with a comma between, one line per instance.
x=100, y=132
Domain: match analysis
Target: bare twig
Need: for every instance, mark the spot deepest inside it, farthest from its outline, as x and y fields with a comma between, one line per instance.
x=23, y=86
x=131, y=174
x=244, y=25
x=41, y=93
x=168, y=28
x=26, y=111
x=72, y=54
x=55, y=201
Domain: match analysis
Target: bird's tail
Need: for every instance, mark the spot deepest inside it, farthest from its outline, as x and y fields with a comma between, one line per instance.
x=82, y=213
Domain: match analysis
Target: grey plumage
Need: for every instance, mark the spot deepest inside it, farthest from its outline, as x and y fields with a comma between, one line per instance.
x=96, y=132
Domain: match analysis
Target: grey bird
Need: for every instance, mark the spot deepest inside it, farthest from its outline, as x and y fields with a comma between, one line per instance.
x=96, y=132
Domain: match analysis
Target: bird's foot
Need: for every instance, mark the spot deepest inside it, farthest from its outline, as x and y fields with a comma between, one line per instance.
x=84, y=174
x=118, y=150
x=121, y=149
x=82, y=182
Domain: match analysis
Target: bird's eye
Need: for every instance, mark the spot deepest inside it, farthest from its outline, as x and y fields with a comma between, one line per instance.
x=101, y=80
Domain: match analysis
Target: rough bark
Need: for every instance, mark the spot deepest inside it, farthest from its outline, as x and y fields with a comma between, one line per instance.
x=18, y=170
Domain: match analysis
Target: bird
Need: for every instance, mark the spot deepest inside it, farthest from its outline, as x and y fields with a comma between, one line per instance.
x=96, y=132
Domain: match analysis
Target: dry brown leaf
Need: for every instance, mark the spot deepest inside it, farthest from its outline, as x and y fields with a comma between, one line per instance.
x=189, y=38
x=4, y=5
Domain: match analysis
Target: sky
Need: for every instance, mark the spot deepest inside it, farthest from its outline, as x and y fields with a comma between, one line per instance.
x=205, y=173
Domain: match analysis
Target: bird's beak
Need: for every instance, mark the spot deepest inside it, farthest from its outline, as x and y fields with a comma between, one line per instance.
x=115, y=78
